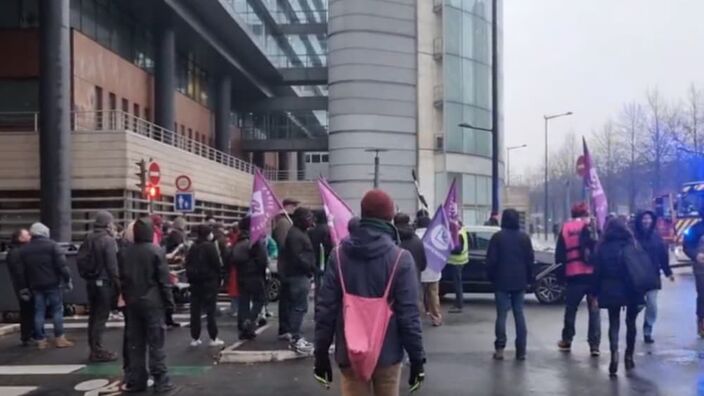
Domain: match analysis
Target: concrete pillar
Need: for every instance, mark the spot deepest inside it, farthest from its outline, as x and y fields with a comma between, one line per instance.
x=258, y=159
x=165, y=72
x=223, y=106
x=54, y=117
x=283, y=165
x=301, y=164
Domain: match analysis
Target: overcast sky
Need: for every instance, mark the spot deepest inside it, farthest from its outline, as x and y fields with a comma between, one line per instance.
x=590, y=57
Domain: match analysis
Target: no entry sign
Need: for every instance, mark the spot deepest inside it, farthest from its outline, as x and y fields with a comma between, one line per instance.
x=154, y=173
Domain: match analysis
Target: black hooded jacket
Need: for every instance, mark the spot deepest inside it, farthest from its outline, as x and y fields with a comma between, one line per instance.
x=144, y=274
x=203, y=260
x=653, y=244
x=411, y=242
x=510, y=256
x=298, y=254
x=611, y=285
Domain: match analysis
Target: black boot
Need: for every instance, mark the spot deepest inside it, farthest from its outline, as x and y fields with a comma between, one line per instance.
x=613, y=365
x=629, y=362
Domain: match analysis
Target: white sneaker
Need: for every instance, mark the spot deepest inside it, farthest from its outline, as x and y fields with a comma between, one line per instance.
x=217, y=342
x=302, y=347
x=195, y=343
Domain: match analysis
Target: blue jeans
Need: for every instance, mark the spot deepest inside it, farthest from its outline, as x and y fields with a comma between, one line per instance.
x=51, y=301
x=506, y=301
x=651, y=312
x=298, y=290
x=456, y=271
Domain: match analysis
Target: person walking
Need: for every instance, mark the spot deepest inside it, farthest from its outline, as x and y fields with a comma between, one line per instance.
x=322, y=246
x=613, y=291
x=411, y=242
x=203, y=270
x=692, y=245
x=653, y=244
x=369, y=265
x=510, y=260
x=282, y=225
x=45, y=268
x=299, y=267
x=430, y=280
x=177, y=236
x=251, y=261
x=574, y=246
x=17, y=274
x=456, y=263
x=144, y=276
x=97, y=264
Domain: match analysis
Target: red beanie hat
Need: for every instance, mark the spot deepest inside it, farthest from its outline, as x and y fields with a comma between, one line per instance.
x=377, y=204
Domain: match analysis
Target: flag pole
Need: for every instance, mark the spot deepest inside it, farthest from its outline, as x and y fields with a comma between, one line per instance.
x=281, y=206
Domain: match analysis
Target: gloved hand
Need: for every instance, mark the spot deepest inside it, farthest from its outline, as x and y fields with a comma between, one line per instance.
x=25, y=295
x=323, y=369
x=417, y=375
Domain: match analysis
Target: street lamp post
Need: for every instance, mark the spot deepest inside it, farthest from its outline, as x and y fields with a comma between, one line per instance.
x=508, y=161
x=494, y=166
x=545, y=214
x=376, y=152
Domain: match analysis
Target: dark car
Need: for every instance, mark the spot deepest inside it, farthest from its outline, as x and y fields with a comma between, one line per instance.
x=548, y=287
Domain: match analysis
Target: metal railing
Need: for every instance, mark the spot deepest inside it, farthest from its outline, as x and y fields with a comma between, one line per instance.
x=120, y=121
x=287, y=175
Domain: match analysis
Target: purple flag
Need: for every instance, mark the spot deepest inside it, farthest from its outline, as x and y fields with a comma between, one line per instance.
x=262, y=208
x=452, y=212
x=336, y=210
x=592, y=182
x=436, y=241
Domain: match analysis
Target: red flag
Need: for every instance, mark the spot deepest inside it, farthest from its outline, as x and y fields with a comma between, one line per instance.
x=592, y=182
x=262, y=208
x=336, y=210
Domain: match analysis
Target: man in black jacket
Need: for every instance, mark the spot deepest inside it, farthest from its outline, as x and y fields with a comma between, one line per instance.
x=322, y=246
x=102, y=282
x=299, y=267
x=203, y=270
x=144, y=276
x=24, y=296
x=510, y=260
x=652, y=243
x=45, y=268
x=411, y=242
x=250, y=260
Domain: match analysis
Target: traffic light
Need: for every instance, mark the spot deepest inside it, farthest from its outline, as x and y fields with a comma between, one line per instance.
x=142, y=175
x=153, y=192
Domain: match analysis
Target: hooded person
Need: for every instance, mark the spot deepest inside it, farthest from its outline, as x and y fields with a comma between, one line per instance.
x=650, y=240
x=144, y=276
x=410, y=241
x=17, y=274
x=365, y=265
x=176, y=236
x=510, y=260
x=46, y=272
x=97, y=263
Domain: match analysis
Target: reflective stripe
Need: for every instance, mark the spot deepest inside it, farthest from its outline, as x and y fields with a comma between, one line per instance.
x=463, y=257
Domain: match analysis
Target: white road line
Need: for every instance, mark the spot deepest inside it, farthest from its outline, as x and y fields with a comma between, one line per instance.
x=40, y=369
x=239, y=343
x=16, y=390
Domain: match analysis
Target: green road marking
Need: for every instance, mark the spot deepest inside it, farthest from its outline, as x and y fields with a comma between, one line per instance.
x=116, y=369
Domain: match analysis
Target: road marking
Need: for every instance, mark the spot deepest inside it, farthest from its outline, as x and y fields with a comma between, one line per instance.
x=238, y=344
x=40, y=369
x=16, y=390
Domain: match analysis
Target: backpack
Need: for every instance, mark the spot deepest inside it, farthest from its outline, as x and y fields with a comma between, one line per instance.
x=639, y=269
x=88, y=266
x=366, y=320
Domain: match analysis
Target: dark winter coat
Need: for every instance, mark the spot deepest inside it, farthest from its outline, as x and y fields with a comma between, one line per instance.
x=298, y=254
x=653, y=244
x=368, y=256
x=16, y=268
x=104, y=251
x=175, y=238
x=411, y=242
x=203, y=263
x=249, y=261
x=611, y=285
x=322, y=244
x=44, y=264
x=144, y=274
x=510, y=256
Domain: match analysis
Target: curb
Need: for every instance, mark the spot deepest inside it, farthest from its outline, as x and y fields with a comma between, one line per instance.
x=9, y=329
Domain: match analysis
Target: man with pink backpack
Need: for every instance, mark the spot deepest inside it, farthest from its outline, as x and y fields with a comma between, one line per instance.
x=369, y=305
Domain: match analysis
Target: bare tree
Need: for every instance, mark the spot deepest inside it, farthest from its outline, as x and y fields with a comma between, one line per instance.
x=657, y=142
x=693, y=118
x=609, y=153
x=632, y=123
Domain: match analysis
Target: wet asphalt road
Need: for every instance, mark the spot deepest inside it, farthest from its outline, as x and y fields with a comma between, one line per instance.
x=459, y=359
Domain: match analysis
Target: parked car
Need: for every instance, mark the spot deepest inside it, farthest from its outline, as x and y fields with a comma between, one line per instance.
x=548, y=287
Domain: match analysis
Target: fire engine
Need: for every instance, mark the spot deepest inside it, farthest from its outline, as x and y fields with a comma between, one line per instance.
x=678, y=215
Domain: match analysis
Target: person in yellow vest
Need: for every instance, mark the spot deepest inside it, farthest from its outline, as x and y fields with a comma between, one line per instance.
x=575, y=243
x=457, y=260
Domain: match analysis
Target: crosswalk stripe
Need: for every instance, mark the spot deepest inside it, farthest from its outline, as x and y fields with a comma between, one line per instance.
x=16, y=390
x=40, y=369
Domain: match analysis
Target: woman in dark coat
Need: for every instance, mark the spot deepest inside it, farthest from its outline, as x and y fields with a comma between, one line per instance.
x=613, y=290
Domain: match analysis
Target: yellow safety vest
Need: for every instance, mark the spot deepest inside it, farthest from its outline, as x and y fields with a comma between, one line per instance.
x=463, y=257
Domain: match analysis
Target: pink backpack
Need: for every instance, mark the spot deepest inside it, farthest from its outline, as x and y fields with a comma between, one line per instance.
x=366, y=321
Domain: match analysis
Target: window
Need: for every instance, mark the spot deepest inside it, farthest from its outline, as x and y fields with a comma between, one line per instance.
x=112, y=101
x=190, y=133
x=125, y=105
x=480, y=240
x=183, y=130
x=324, y=158
x=147, y=114
x=315, y=158
x=197, y=136
x=135, y=110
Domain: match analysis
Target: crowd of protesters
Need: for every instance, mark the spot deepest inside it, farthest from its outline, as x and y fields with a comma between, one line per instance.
x=383, y=259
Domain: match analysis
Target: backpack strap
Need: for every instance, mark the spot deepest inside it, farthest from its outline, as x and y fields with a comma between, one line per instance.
x=393, y=274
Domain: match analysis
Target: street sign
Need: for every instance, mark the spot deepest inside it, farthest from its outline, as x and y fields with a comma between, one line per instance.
x=183, y=183
x=184, y=202
x=154, y=173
